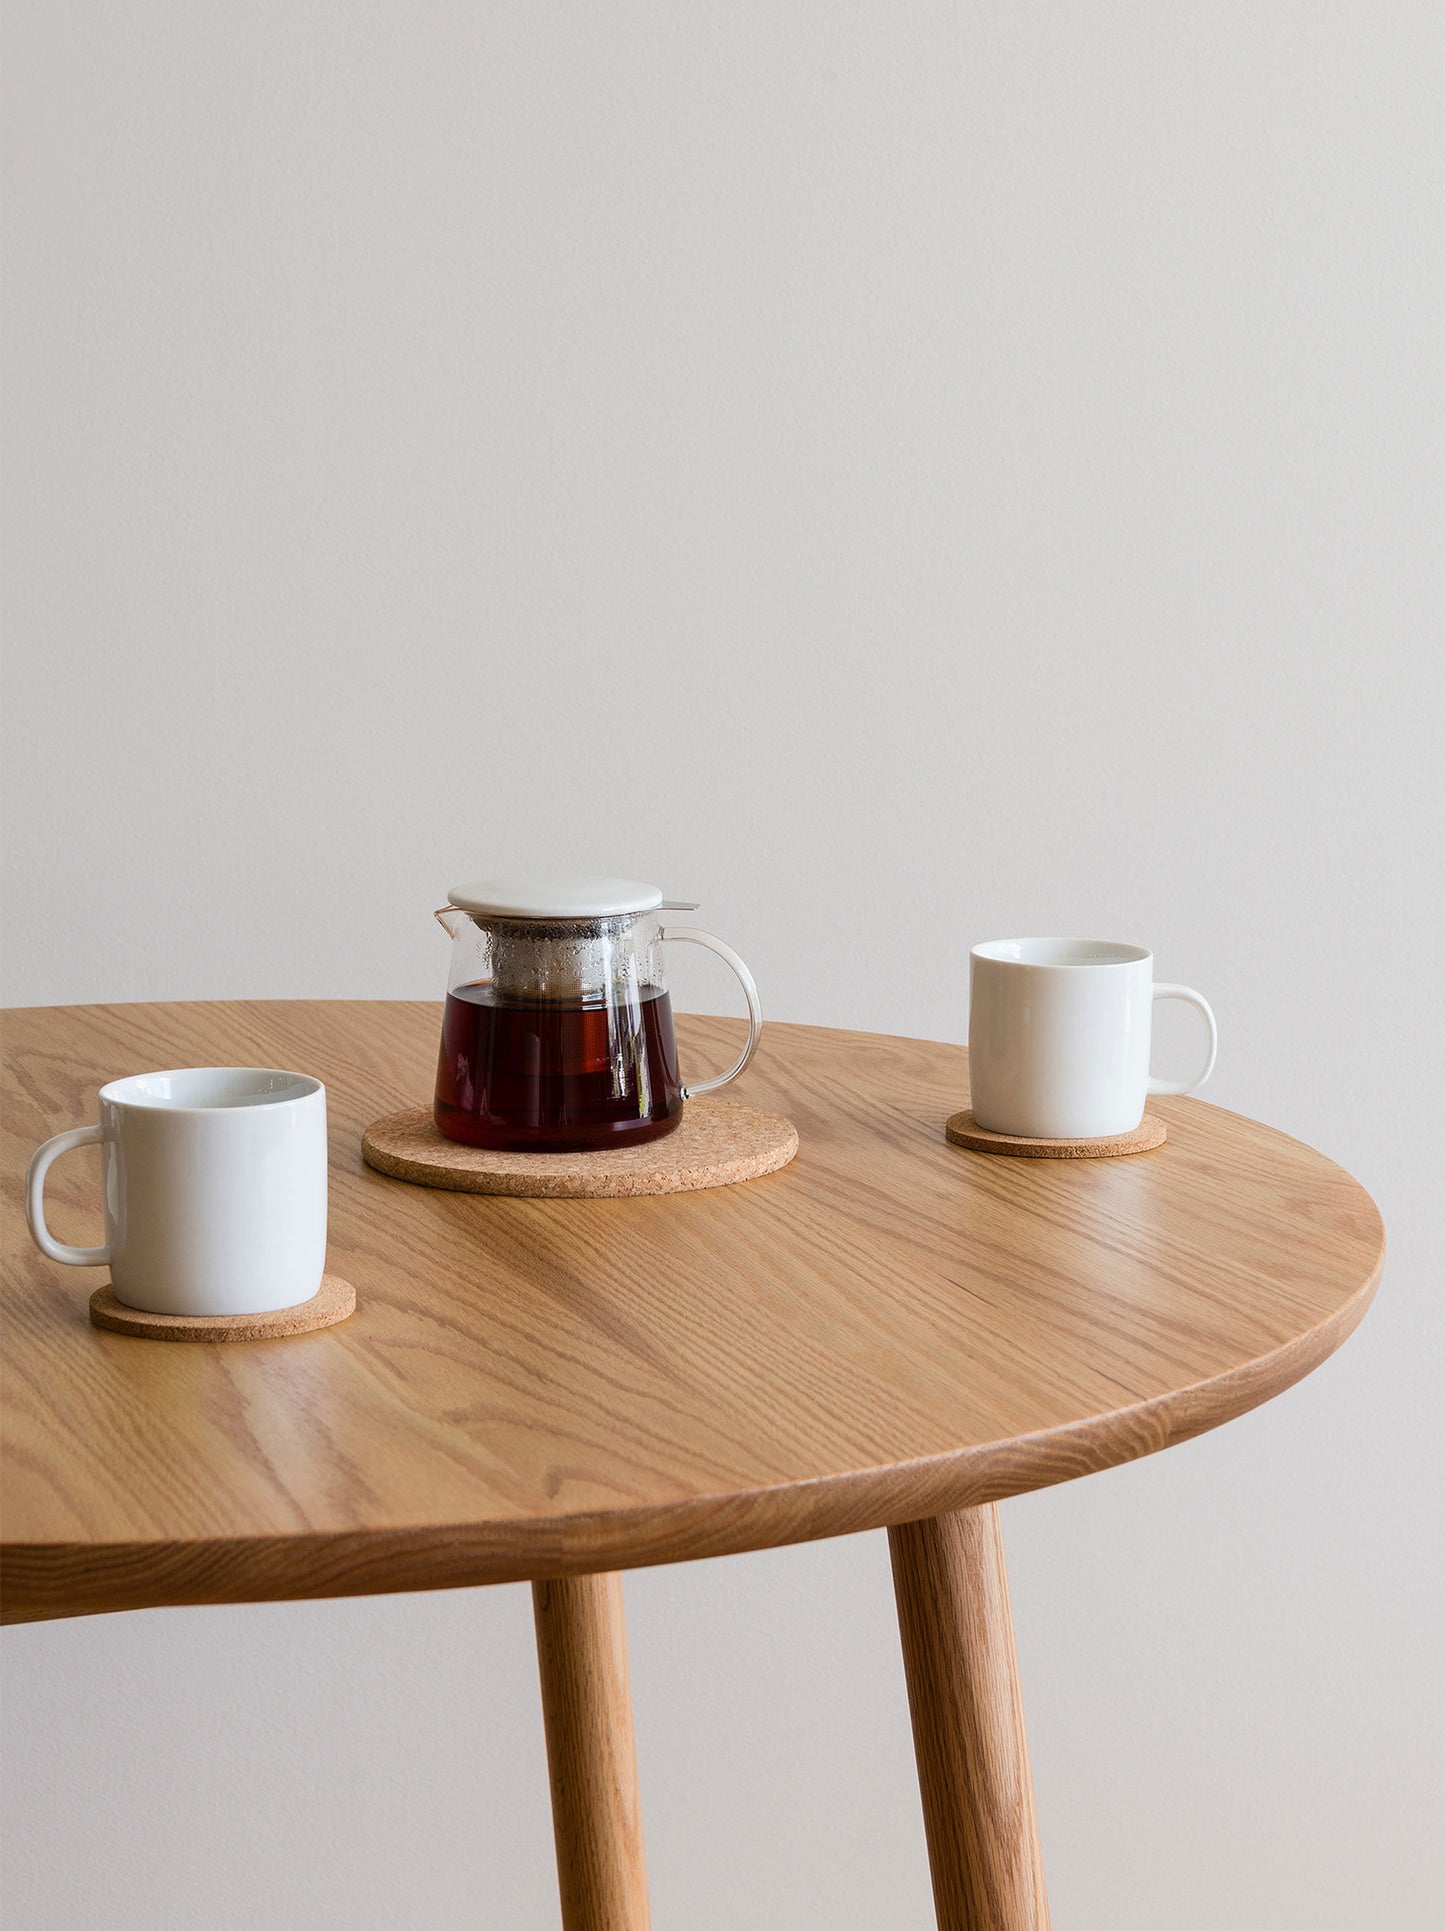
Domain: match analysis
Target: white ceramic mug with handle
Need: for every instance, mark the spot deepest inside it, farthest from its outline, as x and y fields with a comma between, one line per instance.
x=215, y=1190
x=1059, y=1037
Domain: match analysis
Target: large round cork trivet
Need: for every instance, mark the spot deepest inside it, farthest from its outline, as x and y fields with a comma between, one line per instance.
x=717, y=1143
x=965, y=1131
x=333, y=1302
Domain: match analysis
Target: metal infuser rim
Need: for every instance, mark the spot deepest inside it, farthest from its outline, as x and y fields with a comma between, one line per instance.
x=610, y=925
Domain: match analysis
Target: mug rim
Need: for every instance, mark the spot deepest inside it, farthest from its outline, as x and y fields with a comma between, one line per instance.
x=301, y=1086
x=1117, y=953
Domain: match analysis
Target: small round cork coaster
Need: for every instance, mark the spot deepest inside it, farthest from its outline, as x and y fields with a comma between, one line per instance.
x=334, y=1301
x=717, y=1143
x=964, y=1131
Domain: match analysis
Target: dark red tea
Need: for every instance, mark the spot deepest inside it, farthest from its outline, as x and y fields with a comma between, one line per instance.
x=523, y=1074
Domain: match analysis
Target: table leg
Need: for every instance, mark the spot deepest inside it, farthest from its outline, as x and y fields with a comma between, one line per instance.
x=587, y=1712
x=968, y=1723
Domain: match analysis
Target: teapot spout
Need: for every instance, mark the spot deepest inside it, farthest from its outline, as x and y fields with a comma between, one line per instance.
x=452, y=920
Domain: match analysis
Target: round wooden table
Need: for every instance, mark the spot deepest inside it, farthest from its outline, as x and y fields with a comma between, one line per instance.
x=892, y=1332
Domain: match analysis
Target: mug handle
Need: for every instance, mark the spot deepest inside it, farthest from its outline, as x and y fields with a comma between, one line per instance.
x=1194, y=999
x=750, y=993
x=78, y=1136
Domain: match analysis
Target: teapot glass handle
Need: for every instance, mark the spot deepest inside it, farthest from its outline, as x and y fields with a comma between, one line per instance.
x=750, y=993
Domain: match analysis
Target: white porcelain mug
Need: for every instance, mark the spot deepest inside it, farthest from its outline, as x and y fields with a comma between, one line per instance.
x=1059, y=1035
x=215, y=1190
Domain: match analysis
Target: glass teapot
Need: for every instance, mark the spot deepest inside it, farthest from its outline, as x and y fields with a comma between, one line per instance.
x=558, y=1029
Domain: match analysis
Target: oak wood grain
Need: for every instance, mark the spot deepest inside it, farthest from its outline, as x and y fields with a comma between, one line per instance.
x=889, y=1328
x=968, y=1723
x=591, y=1754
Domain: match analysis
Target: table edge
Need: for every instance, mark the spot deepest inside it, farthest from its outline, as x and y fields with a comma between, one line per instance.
x=45, y=1581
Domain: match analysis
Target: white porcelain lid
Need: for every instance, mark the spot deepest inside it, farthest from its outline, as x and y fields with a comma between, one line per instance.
x=564, y=895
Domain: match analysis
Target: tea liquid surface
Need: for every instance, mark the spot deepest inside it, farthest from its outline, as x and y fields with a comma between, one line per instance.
x=522, y=1075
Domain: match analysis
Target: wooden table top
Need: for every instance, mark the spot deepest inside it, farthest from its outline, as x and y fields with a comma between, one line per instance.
x=889, y=1328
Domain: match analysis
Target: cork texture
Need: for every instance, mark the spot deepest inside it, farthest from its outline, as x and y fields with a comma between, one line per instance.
x=964, y=1131
x=334, y=1301
x=718, y=1143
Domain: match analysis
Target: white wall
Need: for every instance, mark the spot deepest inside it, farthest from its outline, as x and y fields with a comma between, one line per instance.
x=902, y=474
